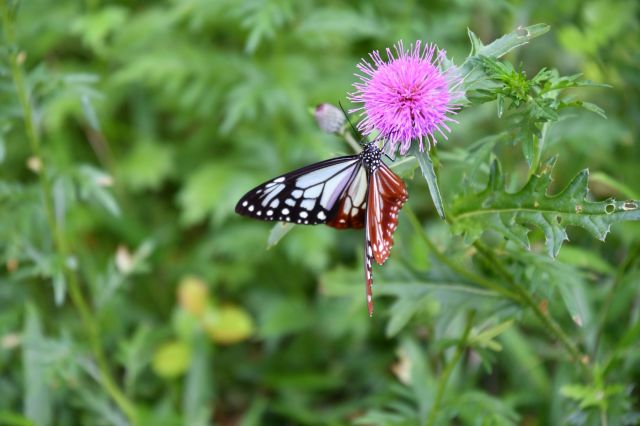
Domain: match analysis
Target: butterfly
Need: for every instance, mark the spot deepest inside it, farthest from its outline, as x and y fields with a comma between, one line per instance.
x=353, y=191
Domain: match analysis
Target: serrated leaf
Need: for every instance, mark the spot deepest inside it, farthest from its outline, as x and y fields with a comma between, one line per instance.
x=476, y=43
x=517, y=38
x=560, y=277
x=429, y=174
x=499, y=47
x=510, y=214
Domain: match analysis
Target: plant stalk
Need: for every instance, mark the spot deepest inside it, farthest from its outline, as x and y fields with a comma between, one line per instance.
x=446, y=373
x=519, y=294
x=550, y=325
x=454, y=266
x=90, y=323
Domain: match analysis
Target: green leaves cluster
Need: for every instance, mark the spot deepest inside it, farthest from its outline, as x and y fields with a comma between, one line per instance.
x=529, y=104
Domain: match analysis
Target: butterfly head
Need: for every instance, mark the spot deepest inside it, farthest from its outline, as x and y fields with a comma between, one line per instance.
x=371, y=157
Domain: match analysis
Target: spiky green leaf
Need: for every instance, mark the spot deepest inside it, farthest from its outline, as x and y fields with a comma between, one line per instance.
x=513, y=213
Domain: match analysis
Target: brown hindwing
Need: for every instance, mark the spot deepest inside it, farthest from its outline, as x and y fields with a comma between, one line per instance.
x=387, y=195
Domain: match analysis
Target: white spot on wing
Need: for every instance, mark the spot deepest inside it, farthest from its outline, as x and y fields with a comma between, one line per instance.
x=297, y=193
x=280, y=179
x=244, y=203
x=321, y=215
x=308, y=204
x=274, y=203
x=290, y=202
x=303, y=214
x=285, y=211
x=250, y=208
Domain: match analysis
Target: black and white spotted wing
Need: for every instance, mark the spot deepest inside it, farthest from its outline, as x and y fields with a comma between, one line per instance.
x=311, y=195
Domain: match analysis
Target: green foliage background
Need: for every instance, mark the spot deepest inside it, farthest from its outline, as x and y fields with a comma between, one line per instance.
x=155, y=117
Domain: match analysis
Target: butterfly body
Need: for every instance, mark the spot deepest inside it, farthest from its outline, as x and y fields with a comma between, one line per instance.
x=353, y=191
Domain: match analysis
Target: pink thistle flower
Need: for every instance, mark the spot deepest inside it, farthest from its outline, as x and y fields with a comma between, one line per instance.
x=407, y=97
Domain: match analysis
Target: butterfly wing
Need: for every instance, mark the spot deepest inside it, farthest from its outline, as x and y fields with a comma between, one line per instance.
x=387, y=195
x=350, y=210
x=368, y=273
x=310, y=195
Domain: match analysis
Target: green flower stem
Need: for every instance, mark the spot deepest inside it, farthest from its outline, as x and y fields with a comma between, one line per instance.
x=349, y=138
x=455, y=266
x=90, y=323
x=444, y=377
x=550, y=325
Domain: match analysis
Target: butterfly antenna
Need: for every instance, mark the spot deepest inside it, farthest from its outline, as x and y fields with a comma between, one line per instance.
x=355, y=131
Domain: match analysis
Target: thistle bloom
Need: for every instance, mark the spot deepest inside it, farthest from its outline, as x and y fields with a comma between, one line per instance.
x=407, y=97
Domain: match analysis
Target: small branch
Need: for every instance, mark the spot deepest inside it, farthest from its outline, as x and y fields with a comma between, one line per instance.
x=444, y=377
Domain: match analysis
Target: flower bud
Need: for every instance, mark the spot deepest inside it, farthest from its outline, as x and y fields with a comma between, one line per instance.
x=330, y=119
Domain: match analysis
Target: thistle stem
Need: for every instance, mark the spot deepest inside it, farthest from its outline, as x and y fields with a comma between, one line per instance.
x=90, y=323
x=350, y=139
x=518, y=293
x=446, y=373
x=550, y=325
x=454, y=266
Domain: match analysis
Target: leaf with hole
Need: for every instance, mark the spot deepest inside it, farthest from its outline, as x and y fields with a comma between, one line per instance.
x=512, y=213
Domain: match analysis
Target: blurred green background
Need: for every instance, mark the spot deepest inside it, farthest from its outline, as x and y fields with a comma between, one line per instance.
x=156, y=116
